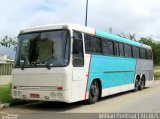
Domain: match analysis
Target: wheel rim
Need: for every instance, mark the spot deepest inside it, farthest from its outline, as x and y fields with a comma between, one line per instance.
x=94, y=90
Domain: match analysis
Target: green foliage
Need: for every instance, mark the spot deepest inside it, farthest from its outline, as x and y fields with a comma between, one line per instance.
x=5, y=94
x=157, y=75
x=9, y=42
x=128, y=36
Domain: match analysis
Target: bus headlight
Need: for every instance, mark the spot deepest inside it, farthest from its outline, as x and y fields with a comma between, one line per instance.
x=19, y=93
x=15, y=93
x=59, y=95
x=53, y=95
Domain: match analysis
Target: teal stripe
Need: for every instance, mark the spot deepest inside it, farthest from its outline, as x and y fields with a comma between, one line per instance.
x=117, y=38
x=113, y=71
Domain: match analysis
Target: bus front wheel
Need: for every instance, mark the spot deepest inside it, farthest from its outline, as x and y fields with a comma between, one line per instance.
x=94, y=92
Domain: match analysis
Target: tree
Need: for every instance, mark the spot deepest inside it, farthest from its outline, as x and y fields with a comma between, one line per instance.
x=9, y=42
x=128, y=36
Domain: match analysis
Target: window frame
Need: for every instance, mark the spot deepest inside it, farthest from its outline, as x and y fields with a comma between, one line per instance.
x=92, y=37
x=81, y=49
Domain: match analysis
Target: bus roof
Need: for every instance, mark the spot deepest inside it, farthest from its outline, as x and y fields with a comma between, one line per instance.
x=60, y=26
x=86, y=30
x=117, y=38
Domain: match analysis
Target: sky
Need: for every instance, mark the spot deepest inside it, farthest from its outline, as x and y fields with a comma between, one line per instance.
x=7, y=51
x=124, y=16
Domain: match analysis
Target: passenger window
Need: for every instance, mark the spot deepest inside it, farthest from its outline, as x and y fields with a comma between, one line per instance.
x=78, y=55
x=135, y=52
x=149, y=54
x=116, y=49
x=92, y=44
x=107, y=47
x=121, y=49
x=88, y=44
x=128, y=51
x=143, y=53
x=97, y=45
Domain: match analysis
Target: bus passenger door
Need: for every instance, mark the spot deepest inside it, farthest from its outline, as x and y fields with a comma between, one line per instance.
x=78, y=72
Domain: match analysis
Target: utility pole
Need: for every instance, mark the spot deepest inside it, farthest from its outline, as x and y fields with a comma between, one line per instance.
x=86, y=12
x=110, y=30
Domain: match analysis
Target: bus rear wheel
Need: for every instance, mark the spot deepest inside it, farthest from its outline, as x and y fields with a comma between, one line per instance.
x=142, y=83
x=94, y=92
x=136, y=85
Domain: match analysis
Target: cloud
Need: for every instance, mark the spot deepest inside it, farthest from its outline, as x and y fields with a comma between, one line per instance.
x=135, y=16
x=140, y=17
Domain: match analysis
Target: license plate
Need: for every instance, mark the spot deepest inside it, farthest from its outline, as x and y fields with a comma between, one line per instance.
x=34, y=95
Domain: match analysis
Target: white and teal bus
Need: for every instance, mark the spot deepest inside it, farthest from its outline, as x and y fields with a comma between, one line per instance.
x=69, y=63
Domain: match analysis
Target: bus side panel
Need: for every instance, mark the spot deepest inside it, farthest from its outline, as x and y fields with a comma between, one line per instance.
x=145, y=67
x=116, y=74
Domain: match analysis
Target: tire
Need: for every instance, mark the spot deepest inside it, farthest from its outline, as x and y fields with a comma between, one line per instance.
x=142, y=83
x=94, y=92
x=136, y=86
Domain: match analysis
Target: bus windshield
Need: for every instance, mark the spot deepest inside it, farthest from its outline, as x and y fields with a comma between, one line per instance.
x=40, y=49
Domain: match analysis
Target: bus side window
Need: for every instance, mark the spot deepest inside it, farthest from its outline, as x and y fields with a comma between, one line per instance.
x=97, y=45
x=143, y=53
x=116, y=49
x=121, y=49
x=149, y=55
x=128, y=51
x=78, y=55
x=107, y=47
x=92, y=44
x=135, y=52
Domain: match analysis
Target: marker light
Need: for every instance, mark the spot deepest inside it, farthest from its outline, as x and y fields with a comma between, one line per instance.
x=59, y=88
x=14, y=87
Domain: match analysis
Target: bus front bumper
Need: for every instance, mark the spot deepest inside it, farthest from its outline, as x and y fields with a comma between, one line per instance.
x=61, y=96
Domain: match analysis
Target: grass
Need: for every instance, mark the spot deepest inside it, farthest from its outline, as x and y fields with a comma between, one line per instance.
x=5, y=94
x=157, y=75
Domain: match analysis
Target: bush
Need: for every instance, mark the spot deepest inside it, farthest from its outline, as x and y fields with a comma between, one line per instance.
x=5, y=94
x=157, y=75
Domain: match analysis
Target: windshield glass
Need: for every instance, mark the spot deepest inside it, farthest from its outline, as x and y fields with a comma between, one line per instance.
x=40, y=49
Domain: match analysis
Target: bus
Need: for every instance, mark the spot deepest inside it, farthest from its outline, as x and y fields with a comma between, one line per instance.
x=70, y=62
